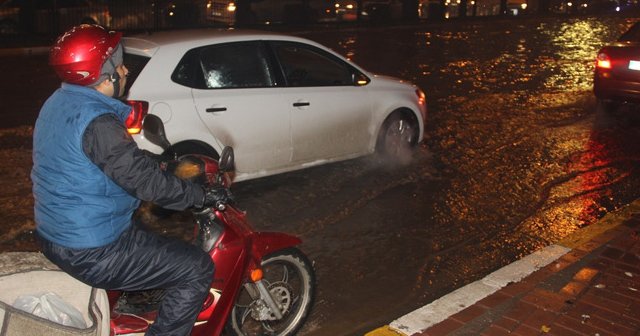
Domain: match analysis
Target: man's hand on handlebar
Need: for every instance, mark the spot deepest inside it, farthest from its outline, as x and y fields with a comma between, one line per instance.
x=216, y=196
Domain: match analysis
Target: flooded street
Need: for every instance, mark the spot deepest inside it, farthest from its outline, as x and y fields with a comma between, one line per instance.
x=516, y=156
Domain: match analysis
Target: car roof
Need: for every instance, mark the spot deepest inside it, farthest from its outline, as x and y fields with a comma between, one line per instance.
x=148, y=44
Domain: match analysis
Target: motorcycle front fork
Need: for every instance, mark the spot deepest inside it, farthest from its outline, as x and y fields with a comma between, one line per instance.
x=264, y=307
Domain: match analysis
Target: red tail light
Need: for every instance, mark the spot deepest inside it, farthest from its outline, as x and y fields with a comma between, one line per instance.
x=603, y=61
x=139, y=110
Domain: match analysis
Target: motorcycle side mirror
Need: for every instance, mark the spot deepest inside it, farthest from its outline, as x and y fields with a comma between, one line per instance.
x=153, y=129
x=227, y=160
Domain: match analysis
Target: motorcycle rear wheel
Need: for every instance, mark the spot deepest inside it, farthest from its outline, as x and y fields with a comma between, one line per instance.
x=289, y=276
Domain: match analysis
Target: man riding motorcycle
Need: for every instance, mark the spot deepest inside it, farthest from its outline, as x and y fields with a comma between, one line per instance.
x=89, y=177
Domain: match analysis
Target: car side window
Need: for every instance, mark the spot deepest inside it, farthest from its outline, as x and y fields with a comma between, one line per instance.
x=225, y=66
x=235, y=65
x=305, y=65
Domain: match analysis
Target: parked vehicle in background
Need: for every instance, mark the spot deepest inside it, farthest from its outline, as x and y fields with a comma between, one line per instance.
x=282, y=102
x=381, y=10
x=221, y=11
x=268, y=11
x=617, y=73
x=345, y=10
x=50, y=16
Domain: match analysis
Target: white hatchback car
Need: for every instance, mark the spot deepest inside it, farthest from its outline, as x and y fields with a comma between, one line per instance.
x=282, y=102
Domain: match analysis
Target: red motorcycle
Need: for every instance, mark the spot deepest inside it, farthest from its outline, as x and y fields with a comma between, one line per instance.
x=263, y=284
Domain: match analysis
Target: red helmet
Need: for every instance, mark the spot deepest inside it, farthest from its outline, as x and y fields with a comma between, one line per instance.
x=78, y=55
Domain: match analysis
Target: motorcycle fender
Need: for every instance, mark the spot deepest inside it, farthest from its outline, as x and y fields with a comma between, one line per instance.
x=265, y=243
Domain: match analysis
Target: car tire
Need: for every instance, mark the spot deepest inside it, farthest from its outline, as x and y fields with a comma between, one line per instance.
x=398, y=135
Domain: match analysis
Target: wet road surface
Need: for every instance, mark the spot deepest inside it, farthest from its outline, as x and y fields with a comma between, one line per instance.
x=516, y=157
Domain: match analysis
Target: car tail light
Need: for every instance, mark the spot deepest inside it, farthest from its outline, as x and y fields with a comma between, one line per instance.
x=603, y=61
x=139, y=110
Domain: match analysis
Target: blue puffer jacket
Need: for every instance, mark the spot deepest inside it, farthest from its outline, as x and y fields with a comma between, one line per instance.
x=76, y=204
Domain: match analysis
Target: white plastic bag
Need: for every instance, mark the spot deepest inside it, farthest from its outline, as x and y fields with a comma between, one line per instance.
x=51, y=307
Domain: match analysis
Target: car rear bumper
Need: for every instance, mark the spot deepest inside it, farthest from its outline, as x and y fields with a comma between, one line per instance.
x=616, y=89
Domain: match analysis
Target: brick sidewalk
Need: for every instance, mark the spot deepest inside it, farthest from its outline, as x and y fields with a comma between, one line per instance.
x=592, y=290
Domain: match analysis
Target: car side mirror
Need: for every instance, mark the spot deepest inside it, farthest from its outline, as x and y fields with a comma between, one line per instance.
x=359, y=79
x=153, y=129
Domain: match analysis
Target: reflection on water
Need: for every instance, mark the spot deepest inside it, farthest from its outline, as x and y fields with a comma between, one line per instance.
x=576, y=43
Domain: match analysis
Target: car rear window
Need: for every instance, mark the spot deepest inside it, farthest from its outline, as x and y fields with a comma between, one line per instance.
x=134, y=64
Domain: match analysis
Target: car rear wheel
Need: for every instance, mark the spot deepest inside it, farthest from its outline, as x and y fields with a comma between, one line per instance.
x=195, y=148
x=183, y=148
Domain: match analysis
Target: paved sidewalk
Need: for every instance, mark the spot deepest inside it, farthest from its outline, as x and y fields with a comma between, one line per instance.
x=590, y=288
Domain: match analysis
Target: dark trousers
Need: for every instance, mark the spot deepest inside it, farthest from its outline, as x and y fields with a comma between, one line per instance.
x=141, y=260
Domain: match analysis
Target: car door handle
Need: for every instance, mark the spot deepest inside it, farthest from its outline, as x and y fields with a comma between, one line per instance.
x=299, y=104
x=216, y=109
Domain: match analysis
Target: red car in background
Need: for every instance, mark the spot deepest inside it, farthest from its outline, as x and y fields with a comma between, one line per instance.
x=617, y=75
